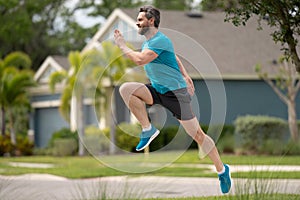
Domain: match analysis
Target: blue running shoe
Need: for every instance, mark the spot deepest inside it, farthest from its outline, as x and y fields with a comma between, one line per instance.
x=146, y=138
x=225, y=180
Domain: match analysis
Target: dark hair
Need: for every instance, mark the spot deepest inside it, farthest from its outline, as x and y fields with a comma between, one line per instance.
x=150, y=12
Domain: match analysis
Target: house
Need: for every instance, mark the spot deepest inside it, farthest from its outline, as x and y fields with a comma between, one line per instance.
x=219, y=57
x=45, y=118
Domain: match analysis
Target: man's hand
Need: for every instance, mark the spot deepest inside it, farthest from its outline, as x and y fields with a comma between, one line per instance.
x=119, y=39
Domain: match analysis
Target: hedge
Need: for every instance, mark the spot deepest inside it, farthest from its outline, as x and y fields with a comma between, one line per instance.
x=24, y=147
x=172, y=138
x=256, y=133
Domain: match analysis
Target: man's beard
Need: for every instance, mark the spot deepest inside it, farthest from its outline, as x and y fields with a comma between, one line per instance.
x=143, y=30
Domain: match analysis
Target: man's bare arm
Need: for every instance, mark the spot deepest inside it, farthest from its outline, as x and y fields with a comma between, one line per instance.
x=139, y=58
x=189, y=81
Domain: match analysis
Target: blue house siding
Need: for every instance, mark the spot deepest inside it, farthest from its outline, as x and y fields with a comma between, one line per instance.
x=46, y=122
x=254, y=98
x=46, y=97
x=243, y=97
x=122, y=112
x=90, y=116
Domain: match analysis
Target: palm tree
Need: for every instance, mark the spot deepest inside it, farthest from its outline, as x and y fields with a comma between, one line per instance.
x=94, y=70
x=113, y=66
x=68, y=78
x=14, y=90
x=76, y=83
x=15, y=79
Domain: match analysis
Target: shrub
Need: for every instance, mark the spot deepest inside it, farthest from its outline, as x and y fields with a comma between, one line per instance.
x=226, y=142
x=62, y=134
x=63, y=142
x=171, y=138
x=96, y=140
x=5, y=145
x=24, y=147
x=64, y=147
x=255, y=132
x=43, y=151
x=271, y=147
x=223, y=136
x=292, y=148
x=127, y=136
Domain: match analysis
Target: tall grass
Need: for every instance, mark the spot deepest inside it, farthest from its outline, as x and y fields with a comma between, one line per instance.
x=13, y=189
x=102, y=189
x=258, y=187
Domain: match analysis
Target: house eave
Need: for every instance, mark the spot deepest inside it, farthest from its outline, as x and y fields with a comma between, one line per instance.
x=234, y=77
x=117, y=13
x=49, y=61
x=45, y=90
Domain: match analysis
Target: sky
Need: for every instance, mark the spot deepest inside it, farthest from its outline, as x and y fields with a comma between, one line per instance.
x=81, y=16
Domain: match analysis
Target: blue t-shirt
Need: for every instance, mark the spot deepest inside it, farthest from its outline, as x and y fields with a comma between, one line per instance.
x=163, y=72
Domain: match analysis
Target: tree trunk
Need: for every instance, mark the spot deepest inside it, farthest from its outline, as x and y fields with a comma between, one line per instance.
x=12, y=130
x=80, y=125
x=292, y=119
x=293, y=49
x=73, y=114
x=3, y=121
x=111, y=113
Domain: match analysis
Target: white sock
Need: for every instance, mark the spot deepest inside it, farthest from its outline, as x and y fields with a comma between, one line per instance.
x=222, y=171
x=147, y=128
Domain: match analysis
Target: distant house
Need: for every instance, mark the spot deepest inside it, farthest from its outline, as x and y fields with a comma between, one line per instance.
x=45, y=118
x=219, y=57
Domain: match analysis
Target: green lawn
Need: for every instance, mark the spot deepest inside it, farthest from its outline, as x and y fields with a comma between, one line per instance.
x=246, y=197
x=87, y=167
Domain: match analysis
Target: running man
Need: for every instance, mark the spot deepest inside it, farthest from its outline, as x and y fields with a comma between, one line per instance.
x=170, y=86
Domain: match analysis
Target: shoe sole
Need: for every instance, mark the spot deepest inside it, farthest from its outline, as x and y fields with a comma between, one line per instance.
x=150, y=140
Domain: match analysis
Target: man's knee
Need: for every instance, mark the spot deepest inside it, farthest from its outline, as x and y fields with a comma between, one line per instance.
x=123, y=90
x=128, y=89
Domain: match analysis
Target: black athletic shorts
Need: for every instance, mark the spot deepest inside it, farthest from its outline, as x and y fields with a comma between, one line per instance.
x=176, y=101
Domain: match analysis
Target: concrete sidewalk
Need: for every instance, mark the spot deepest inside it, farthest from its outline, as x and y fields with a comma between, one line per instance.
x=49, y=187
x=245, y=168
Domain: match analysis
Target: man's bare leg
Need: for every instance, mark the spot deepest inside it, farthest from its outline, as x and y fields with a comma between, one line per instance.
x=135, y=95
x=207, y=145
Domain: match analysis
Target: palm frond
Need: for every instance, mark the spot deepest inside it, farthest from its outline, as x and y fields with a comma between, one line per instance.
x=17, y=86
x=55, y=78
x=17, y=59
x=75, y=60
x=65, y=105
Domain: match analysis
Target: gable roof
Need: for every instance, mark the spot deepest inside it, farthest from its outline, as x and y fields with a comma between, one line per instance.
x=234, y=50
x=51, y=64
x=117, y=19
